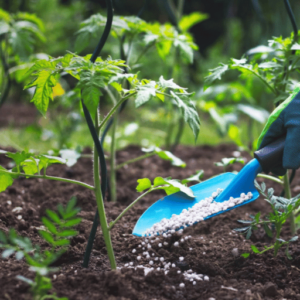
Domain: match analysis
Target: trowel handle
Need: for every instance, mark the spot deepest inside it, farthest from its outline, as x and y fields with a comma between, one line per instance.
x=271, y=155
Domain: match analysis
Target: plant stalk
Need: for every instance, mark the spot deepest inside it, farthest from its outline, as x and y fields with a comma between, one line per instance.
x=114, y=109
x=113, y=223
x=270, y=178
x=130, y=161
x=101, y=209
x=113, y=184
x=51, y=178
x=288, y=195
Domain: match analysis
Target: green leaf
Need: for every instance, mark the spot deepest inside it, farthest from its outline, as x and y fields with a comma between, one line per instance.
x=185, y=49
x=294, y=239
x=287, y=253
x=19, y=255
x=72, y=222
x=197, y=177
x=19, y=157
x=67, y=233
x=31, y=166
x=254, y=249
x=245, y=255
x=6, y=179
x=43, y=84
x=71, y=214
x=7, y=253
x=61, y=243
x=52, y=215
x=46, y=236
x=171, y=186
x=49, y=225
x=189, y=21
x=145, y=92
x=269, y=65
x=268, y=230
x=3, y=238
x=71, y=205
x=90, y=83
x=188, y=111
x=257, y=113
x=143, y=184
x=71, y=156
x=169, y=84
x=28, y=281
x=215, y=74
x=249, y=232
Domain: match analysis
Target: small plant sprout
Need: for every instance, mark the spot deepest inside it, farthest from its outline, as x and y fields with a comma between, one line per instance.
x=57, y=233
x=225, y=162
x=282, y=209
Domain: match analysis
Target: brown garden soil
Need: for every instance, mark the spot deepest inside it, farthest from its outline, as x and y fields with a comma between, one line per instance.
x=208, y=251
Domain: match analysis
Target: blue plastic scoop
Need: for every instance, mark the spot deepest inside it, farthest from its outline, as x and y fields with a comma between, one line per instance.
x=232, y=184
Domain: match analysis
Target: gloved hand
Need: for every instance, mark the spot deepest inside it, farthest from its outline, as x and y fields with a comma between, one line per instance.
x=285, y=120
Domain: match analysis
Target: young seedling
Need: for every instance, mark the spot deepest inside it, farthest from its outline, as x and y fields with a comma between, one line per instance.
x=282, y=209
x=58, y=231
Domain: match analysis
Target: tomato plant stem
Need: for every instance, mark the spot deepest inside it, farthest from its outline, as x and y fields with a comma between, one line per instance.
x=288, y=195
x=51, y=178
x=114, y=109
x=113, y=185
x=112, y=224
x=130, y=161
x=275, y=179
x=101, y=209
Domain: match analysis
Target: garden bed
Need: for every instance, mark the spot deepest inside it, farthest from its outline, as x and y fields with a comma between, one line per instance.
x=209, y=251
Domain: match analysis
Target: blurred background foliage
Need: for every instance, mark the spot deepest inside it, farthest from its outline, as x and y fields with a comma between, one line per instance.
x=232, y=28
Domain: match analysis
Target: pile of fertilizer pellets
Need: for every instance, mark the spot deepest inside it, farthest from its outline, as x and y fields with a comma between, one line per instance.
x=146, y=253
x=148, y=259
x=195, y=214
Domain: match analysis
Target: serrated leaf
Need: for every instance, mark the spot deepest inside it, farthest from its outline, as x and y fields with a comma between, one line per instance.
x=269, y=65
x=6, y=179
x=90, y=83
x=72, y=213
x=43, y=84
x=31, y=166
x=188, y=111
x=185, y=49
x=215, y=74
x=145, y=92
x=18, y=157
x=7, y=253
x=143, y=184
x=169, y=84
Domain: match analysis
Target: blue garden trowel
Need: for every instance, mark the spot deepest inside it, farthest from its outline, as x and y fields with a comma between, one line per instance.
x=231, y=184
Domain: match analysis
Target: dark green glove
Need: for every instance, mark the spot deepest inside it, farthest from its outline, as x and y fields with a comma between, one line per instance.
x=285, y=120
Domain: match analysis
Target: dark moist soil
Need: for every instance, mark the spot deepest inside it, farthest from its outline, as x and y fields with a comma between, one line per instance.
x=212, y=241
